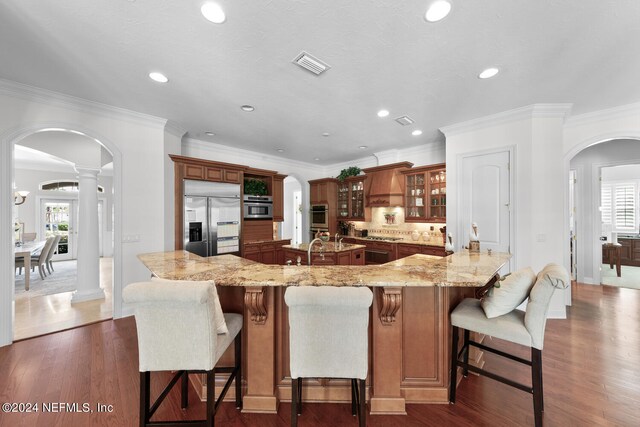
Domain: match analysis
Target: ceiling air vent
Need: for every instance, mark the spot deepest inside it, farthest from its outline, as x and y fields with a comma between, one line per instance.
x=310, y=63
x=404, y=120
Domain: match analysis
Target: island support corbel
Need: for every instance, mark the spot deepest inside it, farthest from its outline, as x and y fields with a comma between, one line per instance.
x=386, y=396
x=260, y=329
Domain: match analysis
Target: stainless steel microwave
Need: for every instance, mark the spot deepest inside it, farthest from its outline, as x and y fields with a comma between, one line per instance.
x=258, y=207
x=319, y=216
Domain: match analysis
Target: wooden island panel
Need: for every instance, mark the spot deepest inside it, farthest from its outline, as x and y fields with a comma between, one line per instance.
x=409, y=324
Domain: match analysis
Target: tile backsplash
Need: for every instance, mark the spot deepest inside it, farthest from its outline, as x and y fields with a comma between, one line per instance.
x=379, y=227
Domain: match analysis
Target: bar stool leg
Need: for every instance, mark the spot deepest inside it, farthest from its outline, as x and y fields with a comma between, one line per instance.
x=454, y=365
x=536, y=380
x=145, y=397
x=294, y=402
x=238, y=363
x=354, y=409
x=185, y=390
x=211, y=396
x=465, y=370
x=363, y=403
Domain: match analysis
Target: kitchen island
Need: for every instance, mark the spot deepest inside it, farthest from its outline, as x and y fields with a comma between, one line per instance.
x=410, y=329
x=326, y=254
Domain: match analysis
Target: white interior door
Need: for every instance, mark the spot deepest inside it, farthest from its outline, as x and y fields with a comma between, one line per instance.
x=485, y=200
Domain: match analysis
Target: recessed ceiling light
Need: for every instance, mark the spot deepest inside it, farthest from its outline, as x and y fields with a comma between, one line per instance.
x=383, y=113
x=209, y=133
x=158, y=77
x=416, y=132
x=316, y=159
x=437, y=11
x=280, y=150
x=488, y=73
x=362, y=147
x=247, y=108
x=325, y=134
x=213, y=12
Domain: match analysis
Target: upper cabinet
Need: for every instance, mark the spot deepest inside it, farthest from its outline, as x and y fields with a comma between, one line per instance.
x=351, y=200
x=322, y=191
x=426, y=194
x=277, y=192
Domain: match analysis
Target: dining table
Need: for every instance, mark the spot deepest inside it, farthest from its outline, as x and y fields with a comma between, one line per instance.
x=25, y=252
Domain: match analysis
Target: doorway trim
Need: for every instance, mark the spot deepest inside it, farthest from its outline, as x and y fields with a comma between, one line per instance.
x=512, y=150
x=586, y=143
x=7, y=141
x=596, y=187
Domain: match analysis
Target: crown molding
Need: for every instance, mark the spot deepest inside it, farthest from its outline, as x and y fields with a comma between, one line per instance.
x=530, y=111
x=48, y=97
x=175, y=129
x=601, y=115
x=246, y=156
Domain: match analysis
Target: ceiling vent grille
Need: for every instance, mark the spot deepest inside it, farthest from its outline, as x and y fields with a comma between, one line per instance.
x=310, y=63
x=404, y=120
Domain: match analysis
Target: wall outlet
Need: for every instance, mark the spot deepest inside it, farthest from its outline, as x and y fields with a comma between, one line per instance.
x=603, y=238
x=130, y=238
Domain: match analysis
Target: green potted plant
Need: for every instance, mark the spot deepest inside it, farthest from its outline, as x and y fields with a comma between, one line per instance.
x=255, y=187
x=350, y=171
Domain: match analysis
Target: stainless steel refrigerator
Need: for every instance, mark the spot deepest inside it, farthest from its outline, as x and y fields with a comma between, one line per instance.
x=212, y=218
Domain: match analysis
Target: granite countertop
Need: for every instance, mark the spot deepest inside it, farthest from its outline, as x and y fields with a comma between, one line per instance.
x=409, y=242
x=328, y=247
x=462, y=269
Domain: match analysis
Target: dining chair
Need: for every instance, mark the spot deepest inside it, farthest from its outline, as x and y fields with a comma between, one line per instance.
x=178, y=326
x=52, y=251
x=38, y=259
x=328, y=330
x=523, y=328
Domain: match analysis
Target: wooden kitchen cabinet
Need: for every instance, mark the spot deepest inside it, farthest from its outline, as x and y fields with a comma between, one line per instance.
x=351, y=199
x=426, y=194
x=408, y=249
x=277, y=192
x=323, y=191
x=269, y=252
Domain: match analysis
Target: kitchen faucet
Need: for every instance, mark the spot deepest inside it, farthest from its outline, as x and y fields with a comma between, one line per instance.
x=311, y=246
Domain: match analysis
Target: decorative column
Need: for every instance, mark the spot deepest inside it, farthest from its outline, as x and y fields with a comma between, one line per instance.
x=259, y=309
x=88, y=287
x=386, y=396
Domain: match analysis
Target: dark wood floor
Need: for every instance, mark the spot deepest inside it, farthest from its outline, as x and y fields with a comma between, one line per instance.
x=591, y=377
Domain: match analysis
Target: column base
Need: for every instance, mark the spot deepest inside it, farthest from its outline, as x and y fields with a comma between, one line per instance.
x=388, y=406
x=259, y=404
x=79, y=296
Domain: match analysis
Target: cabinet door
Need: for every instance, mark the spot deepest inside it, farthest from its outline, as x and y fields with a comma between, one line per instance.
x=268, y=256
x=278, y=198
x=344, y=258
x=214, y=174
x=437, y=197
x=433, y=250
x=407, y=250
x=329, y=259
x=232, y=176
x=357, y=257
x=415, y=209
x=193, y=171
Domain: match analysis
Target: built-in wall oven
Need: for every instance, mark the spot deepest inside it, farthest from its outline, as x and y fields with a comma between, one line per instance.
x=258, y=207
x=319, y=216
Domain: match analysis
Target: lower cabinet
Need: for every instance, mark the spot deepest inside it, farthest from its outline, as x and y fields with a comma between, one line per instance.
x=265, y=252
x=407, y=249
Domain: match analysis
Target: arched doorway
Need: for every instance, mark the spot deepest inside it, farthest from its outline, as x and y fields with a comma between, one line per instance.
x=593, y=213
x=8, y=141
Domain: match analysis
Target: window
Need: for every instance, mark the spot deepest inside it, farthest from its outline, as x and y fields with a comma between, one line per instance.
x=67, y=185
x=619, y=205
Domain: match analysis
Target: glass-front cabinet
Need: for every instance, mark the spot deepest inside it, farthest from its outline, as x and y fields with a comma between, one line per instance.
x=351, y=199
x=426, y=194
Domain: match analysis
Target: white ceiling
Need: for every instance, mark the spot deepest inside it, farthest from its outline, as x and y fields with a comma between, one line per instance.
x=383, y=54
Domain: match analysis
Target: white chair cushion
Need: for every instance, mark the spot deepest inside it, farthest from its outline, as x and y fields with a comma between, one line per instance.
x=551, y=277
x=234, y=325
x=175, y=322
x=328, y=330
x=221, y=326
x=510, y=327
x=512, y=292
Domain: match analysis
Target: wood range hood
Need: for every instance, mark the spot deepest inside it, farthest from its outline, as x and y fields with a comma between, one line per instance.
x=386, y=185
